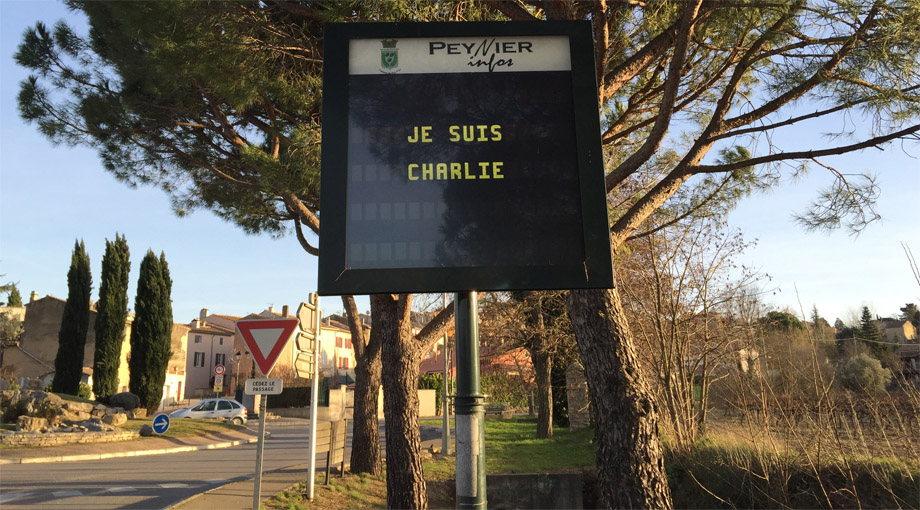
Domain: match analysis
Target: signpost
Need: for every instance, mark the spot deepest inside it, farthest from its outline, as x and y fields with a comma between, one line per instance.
x=266, y=339
x=161, y=424
x=307, y=367
x=462, y=157
x=219, y=383
x=264, y=386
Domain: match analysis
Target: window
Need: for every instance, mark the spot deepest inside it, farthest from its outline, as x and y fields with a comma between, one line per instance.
x=199, y=359
x=220, y=359
x=325, y=359
x=348, y=343
x=224, y=405
x=338, y=341
x=220, y=341
x=207, y=405
x=197, y=339
x=343, y=363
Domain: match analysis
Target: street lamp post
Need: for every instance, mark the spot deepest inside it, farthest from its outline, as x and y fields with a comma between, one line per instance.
x=236, y=373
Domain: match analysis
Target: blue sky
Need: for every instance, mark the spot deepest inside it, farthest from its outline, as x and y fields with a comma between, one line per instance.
x=51, y=195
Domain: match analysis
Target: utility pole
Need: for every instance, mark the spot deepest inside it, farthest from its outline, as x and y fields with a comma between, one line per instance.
x=471, y=448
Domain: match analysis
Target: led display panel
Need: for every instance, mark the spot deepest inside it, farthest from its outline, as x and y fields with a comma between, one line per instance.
x=461, y=156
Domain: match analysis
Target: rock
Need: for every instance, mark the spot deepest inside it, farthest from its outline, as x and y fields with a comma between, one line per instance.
x=99, y=411
x=4, y=385
x=137, y=413
x=41, y=396
x=78, y=407
x=126, y=400
x=115, y=419
x=30, y=423
x=94, y=425
x=32, y=384
x=146, y=431
x=114, y=410
x=72, y=416
x=7, y=397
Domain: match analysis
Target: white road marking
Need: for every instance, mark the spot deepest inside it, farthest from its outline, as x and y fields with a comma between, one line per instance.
x=173, y=485
x=9, y=498
x=66, y=494
x=121, y=489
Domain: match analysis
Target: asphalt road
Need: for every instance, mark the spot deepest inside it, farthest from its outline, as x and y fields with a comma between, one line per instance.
x=152, y=482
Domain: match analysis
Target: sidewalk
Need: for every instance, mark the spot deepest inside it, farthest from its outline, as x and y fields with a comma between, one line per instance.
x=238, y=495
x=135, y=448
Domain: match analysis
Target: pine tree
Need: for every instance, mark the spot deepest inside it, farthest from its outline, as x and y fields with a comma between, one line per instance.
x=15, y=299
x=869, y=333
x=68, y=364
x=112, y=313
x=151, y=331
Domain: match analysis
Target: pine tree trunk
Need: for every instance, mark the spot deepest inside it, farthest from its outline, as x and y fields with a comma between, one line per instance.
x=365, y=454
x=629, y=456
x=543, y=366
x=405, y=478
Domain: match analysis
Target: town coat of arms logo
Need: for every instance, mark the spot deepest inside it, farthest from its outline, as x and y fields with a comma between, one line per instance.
x=389, y=54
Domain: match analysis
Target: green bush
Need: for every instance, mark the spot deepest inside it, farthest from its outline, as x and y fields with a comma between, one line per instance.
x=505, y=389
x=85, y=391
x=863, y=373
x=433, y=382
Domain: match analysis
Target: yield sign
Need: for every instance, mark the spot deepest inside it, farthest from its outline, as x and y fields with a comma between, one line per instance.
x=266, y=339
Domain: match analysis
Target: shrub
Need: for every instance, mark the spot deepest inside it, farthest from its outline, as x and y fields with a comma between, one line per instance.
x=15, y=410
x=863, y=373
x=85, y=391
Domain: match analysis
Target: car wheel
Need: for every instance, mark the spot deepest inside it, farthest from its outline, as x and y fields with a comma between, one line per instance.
x=237, y=421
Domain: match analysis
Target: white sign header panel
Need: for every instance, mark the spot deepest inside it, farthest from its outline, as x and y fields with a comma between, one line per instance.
x=459, y=55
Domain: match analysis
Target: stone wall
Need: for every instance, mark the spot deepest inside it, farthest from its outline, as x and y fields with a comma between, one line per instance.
x=62, y=438
x=579, y=400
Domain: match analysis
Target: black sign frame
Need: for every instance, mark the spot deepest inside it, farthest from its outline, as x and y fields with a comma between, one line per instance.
x=336, y=278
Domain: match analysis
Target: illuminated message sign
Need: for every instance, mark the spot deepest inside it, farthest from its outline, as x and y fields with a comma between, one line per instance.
x=461, y=156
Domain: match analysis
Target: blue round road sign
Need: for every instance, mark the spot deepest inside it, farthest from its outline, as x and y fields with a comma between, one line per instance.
x=161, y=423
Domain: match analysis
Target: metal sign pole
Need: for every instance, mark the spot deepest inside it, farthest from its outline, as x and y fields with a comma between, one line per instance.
x=445, y=432
x=257, y=485
x=314, y=400
x=471, y=459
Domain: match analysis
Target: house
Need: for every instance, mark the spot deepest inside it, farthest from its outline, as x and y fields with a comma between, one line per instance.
x=910, y=359
x=336, y=352
x=208, y=344
x=896, y=331
x=34, y=357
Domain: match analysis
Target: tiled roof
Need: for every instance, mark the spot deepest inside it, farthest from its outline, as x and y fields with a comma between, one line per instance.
x=212, y=329
x=230, y=317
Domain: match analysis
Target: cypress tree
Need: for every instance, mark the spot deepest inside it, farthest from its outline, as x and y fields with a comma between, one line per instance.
x=68, y=364
x=15, y=299
x=111, y=315
x=151, y=331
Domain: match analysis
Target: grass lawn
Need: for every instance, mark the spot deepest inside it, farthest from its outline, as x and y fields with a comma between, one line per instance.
x=510, y=448
x=185, y=426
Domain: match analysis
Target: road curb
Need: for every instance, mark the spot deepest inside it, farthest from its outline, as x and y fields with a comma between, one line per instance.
x=135, y=453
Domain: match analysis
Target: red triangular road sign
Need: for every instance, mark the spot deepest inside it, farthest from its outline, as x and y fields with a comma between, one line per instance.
x=266, y=339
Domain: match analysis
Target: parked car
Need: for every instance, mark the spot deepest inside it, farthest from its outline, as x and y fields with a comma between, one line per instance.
x=225, y=408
